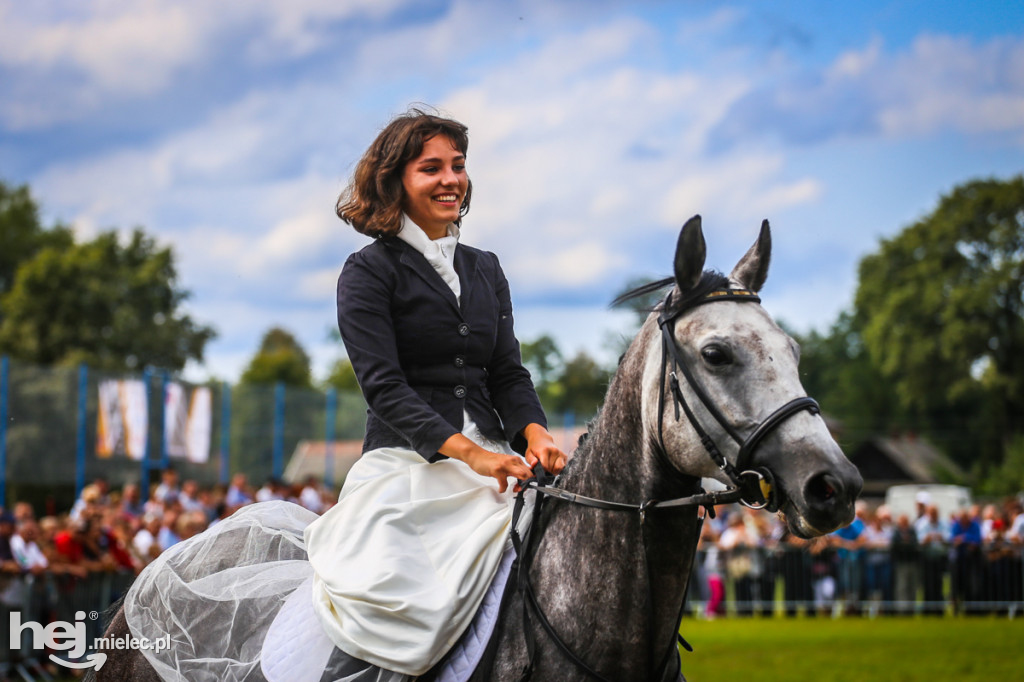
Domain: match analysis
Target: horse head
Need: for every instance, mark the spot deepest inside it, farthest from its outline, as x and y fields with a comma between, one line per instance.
x=735, y=372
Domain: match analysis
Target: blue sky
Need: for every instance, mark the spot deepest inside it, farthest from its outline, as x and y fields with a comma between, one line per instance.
x=227, y=129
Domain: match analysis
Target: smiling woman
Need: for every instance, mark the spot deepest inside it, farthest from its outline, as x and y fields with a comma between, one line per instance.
x=417, y=158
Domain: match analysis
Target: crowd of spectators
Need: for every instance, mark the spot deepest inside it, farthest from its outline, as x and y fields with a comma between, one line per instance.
x=119, y=531
x=971, y=559
x=920, y=563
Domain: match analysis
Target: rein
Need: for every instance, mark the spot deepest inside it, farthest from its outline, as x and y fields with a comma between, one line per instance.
x=752, y=487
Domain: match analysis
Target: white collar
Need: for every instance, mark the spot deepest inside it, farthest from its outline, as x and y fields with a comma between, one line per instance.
x=440, y=253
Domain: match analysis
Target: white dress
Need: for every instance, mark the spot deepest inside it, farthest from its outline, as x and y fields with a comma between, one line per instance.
x=398, y=567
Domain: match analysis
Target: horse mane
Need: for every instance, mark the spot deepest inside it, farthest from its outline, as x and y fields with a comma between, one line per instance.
x=711, y=280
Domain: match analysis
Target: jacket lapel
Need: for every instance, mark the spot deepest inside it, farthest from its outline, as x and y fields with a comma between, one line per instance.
x=465, y=265
x=414, y=260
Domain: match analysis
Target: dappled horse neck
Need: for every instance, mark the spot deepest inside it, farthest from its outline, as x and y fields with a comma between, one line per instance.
x=613, y=461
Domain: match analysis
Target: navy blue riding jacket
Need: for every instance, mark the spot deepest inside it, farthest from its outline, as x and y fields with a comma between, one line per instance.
x=421, y=358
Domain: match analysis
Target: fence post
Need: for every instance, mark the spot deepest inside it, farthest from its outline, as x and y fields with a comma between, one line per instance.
x=5, y=368
x=278, y=452
x=225, y=431
x=144, y=478
x=165, y=457
x=83, y=389
x=332, y=408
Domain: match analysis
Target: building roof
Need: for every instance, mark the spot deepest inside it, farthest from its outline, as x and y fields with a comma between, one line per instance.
x=884, y=462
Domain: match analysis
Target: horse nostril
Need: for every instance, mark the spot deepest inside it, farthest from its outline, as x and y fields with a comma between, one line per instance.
x=822, y=489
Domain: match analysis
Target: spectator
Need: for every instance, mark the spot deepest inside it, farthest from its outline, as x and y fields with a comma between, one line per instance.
x=989, y=514
x=271, y=490
x=23, y=511
x=168, y=490
x=998, y=578
x=71, y=546
x=906, y=560
x=311, y=497
x=739, y=544
x=89, y=502
x=823, y=568
x=965, y=537
x=11, y=587
x=712, y=571
x=932, y=535
x=797, y=578
x=877, y=562
x=145, y=545
x=132, y=506
x=168, y=536
x=189, y=497
x=849, y=542
x=238, y=493
x=25, y=550
x=8, y=564
x=1016, y=513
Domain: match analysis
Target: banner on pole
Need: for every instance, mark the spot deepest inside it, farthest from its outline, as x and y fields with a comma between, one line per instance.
x=188, y=422
x=123, y=420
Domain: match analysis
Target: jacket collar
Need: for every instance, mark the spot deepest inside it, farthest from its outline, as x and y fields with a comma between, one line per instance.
x=465, y=266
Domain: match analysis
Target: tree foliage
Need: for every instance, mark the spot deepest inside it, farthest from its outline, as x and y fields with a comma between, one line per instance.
x=114, y=306
x=836, y=370
x=22, y=236
x=941, y=309
x=280, y=358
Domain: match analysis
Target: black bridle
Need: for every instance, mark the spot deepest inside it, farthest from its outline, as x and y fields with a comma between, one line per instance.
x=752, y=486
x=755, y=483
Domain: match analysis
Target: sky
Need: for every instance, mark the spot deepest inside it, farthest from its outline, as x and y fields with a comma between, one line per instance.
x=228, y=129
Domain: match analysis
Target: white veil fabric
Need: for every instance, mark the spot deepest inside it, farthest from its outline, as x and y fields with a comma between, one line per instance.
x=398, y=569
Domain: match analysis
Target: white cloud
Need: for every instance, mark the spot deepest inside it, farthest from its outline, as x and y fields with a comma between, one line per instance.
x=937, y=84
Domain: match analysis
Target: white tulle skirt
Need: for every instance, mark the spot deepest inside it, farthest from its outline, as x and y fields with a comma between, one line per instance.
x=398, y=569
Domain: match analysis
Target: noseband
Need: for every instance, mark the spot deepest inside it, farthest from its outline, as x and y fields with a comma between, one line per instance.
x=756, y=484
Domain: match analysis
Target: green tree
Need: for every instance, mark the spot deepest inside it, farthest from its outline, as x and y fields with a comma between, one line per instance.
x=342, y=377
x=22, y=236
x=836, y=370
x=113, y=306
x=581, y=386
x=542, y=357
x=280, y=358
x=941, y=306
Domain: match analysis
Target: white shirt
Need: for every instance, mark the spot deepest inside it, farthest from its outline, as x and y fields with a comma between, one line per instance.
x=440, y=253
x=27, y=554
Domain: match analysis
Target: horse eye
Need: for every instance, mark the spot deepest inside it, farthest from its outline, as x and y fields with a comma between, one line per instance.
x=715, y=356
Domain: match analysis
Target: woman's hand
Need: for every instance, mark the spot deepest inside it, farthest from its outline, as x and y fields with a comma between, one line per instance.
x=486, y=463
x=541, y=448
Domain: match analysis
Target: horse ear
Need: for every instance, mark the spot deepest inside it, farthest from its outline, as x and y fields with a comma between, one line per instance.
x=690, y=254
x=752, y=270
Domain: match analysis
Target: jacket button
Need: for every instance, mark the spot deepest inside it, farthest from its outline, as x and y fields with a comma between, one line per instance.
x=460, y=391
x=460, y=361
x=463, y=329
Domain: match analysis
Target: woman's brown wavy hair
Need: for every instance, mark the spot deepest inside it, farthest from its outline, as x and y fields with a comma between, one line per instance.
x=372, y=202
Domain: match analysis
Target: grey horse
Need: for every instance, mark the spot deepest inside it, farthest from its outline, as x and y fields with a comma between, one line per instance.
x=610, y=585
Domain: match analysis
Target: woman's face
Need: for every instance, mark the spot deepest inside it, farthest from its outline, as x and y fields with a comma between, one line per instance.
x=435, y=184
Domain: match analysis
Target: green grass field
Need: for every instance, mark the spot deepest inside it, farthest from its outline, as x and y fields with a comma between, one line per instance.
x=855, y=649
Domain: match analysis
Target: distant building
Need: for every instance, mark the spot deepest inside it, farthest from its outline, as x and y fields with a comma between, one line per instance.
x=310, y=459
x=885, y=462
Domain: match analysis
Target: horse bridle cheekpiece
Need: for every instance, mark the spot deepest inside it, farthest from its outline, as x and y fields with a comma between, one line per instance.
x=755, y=484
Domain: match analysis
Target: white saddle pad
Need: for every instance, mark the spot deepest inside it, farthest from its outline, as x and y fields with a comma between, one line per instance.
x=296, y=649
